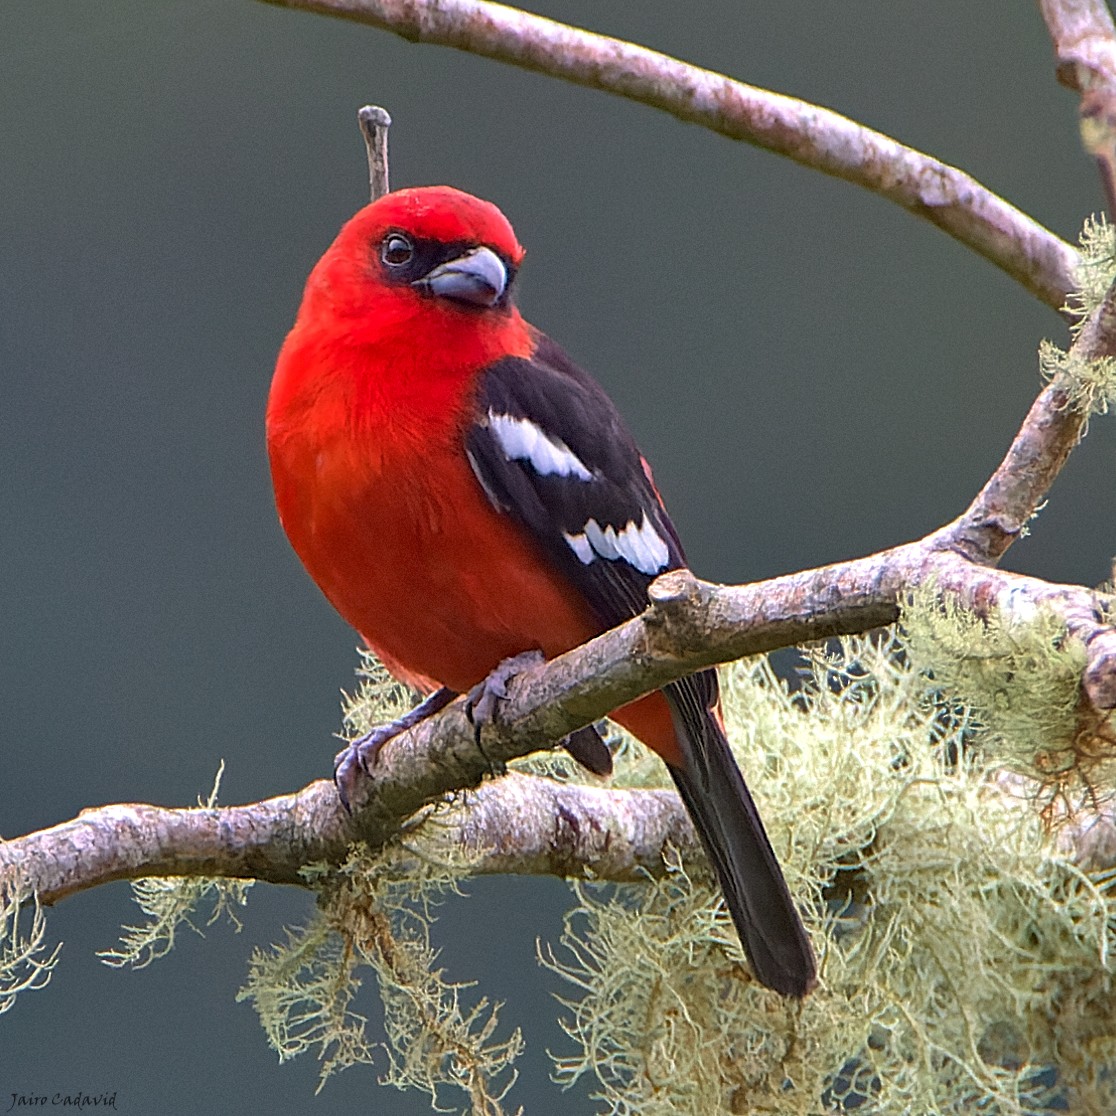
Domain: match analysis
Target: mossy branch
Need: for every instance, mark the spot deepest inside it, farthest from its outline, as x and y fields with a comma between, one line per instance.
x=690, y=624
x=537, y=825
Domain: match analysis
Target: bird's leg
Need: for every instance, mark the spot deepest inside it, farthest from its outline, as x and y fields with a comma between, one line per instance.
x=356, y=759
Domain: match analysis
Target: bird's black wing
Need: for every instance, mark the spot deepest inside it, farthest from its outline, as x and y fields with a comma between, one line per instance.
x=550, y=450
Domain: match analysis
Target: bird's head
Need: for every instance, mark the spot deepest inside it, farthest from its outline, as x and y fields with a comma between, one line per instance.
x=430, y=250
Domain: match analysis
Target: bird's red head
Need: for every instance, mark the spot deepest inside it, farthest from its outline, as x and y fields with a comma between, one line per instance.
x=421, y=254
x=408, y=304
x=442, y=214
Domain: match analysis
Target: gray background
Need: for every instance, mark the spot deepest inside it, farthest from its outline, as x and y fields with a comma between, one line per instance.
x=814, y=374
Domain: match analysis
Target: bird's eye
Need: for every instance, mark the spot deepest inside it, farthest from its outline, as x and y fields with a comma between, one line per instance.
x=396, y=250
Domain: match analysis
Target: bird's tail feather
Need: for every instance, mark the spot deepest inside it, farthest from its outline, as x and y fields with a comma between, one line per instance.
x=726, y=818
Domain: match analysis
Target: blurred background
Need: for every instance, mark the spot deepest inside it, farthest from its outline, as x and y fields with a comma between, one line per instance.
x=814, y=374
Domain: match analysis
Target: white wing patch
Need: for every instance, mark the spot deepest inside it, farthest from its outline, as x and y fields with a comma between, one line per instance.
x=581, y=546
x=523, y=440
x=641, y=547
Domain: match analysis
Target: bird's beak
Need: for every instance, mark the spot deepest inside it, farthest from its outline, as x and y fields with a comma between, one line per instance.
x=478, y=278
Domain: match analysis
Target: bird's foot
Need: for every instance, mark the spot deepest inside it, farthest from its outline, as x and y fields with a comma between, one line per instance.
x=485, y=697
x=354, y=763
x=585, y=745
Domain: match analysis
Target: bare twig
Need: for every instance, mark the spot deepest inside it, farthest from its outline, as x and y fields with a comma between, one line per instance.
x=809, y=134
x=1084, y=40
x=374, y=124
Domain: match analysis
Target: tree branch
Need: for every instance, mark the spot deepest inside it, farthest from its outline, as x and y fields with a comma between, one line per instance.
x=374, y=124
x=1084, y=39
x=690, y=624
x=535, y=825
x=811, y=135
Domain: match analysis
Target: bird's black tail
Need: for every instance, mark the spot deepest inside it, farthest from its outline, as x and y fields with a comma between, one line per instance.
x=726, y=818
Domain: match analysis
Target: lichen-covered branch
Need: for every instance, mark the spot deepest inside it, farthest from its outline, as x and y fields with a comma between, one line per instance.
x=809, y=134
x=532, y=825
x=690, y=624
x=526, y=824
x=1053, y=426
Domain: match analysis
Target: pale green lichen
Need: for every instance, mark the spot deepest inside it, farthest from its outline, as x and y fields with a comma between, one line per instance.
x=379, y=698
x=302, y=991
x=962, y=957
x=377, y=913
x=26, y=961
x=1095, y=270
x=965, y=960
x=171, y=903
x=1090, y=384
x=1020, y=676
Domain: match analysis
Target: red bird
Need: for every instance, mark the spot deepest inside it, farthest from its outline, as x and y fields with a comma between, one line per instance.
x=463, y=493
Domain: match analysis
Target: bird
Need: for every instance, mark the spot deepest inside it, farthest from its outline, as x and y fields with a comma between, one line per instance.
x=466, y=497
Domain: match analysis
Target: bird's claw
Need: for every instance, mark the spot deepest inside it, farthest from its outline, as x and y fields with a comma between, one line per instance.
x=354, y=763
x=485, y=697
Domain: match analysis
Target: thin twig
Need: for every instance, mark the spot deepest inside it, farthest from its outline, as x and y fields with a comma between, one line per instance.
x=374, y=124
x=1084, y=39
